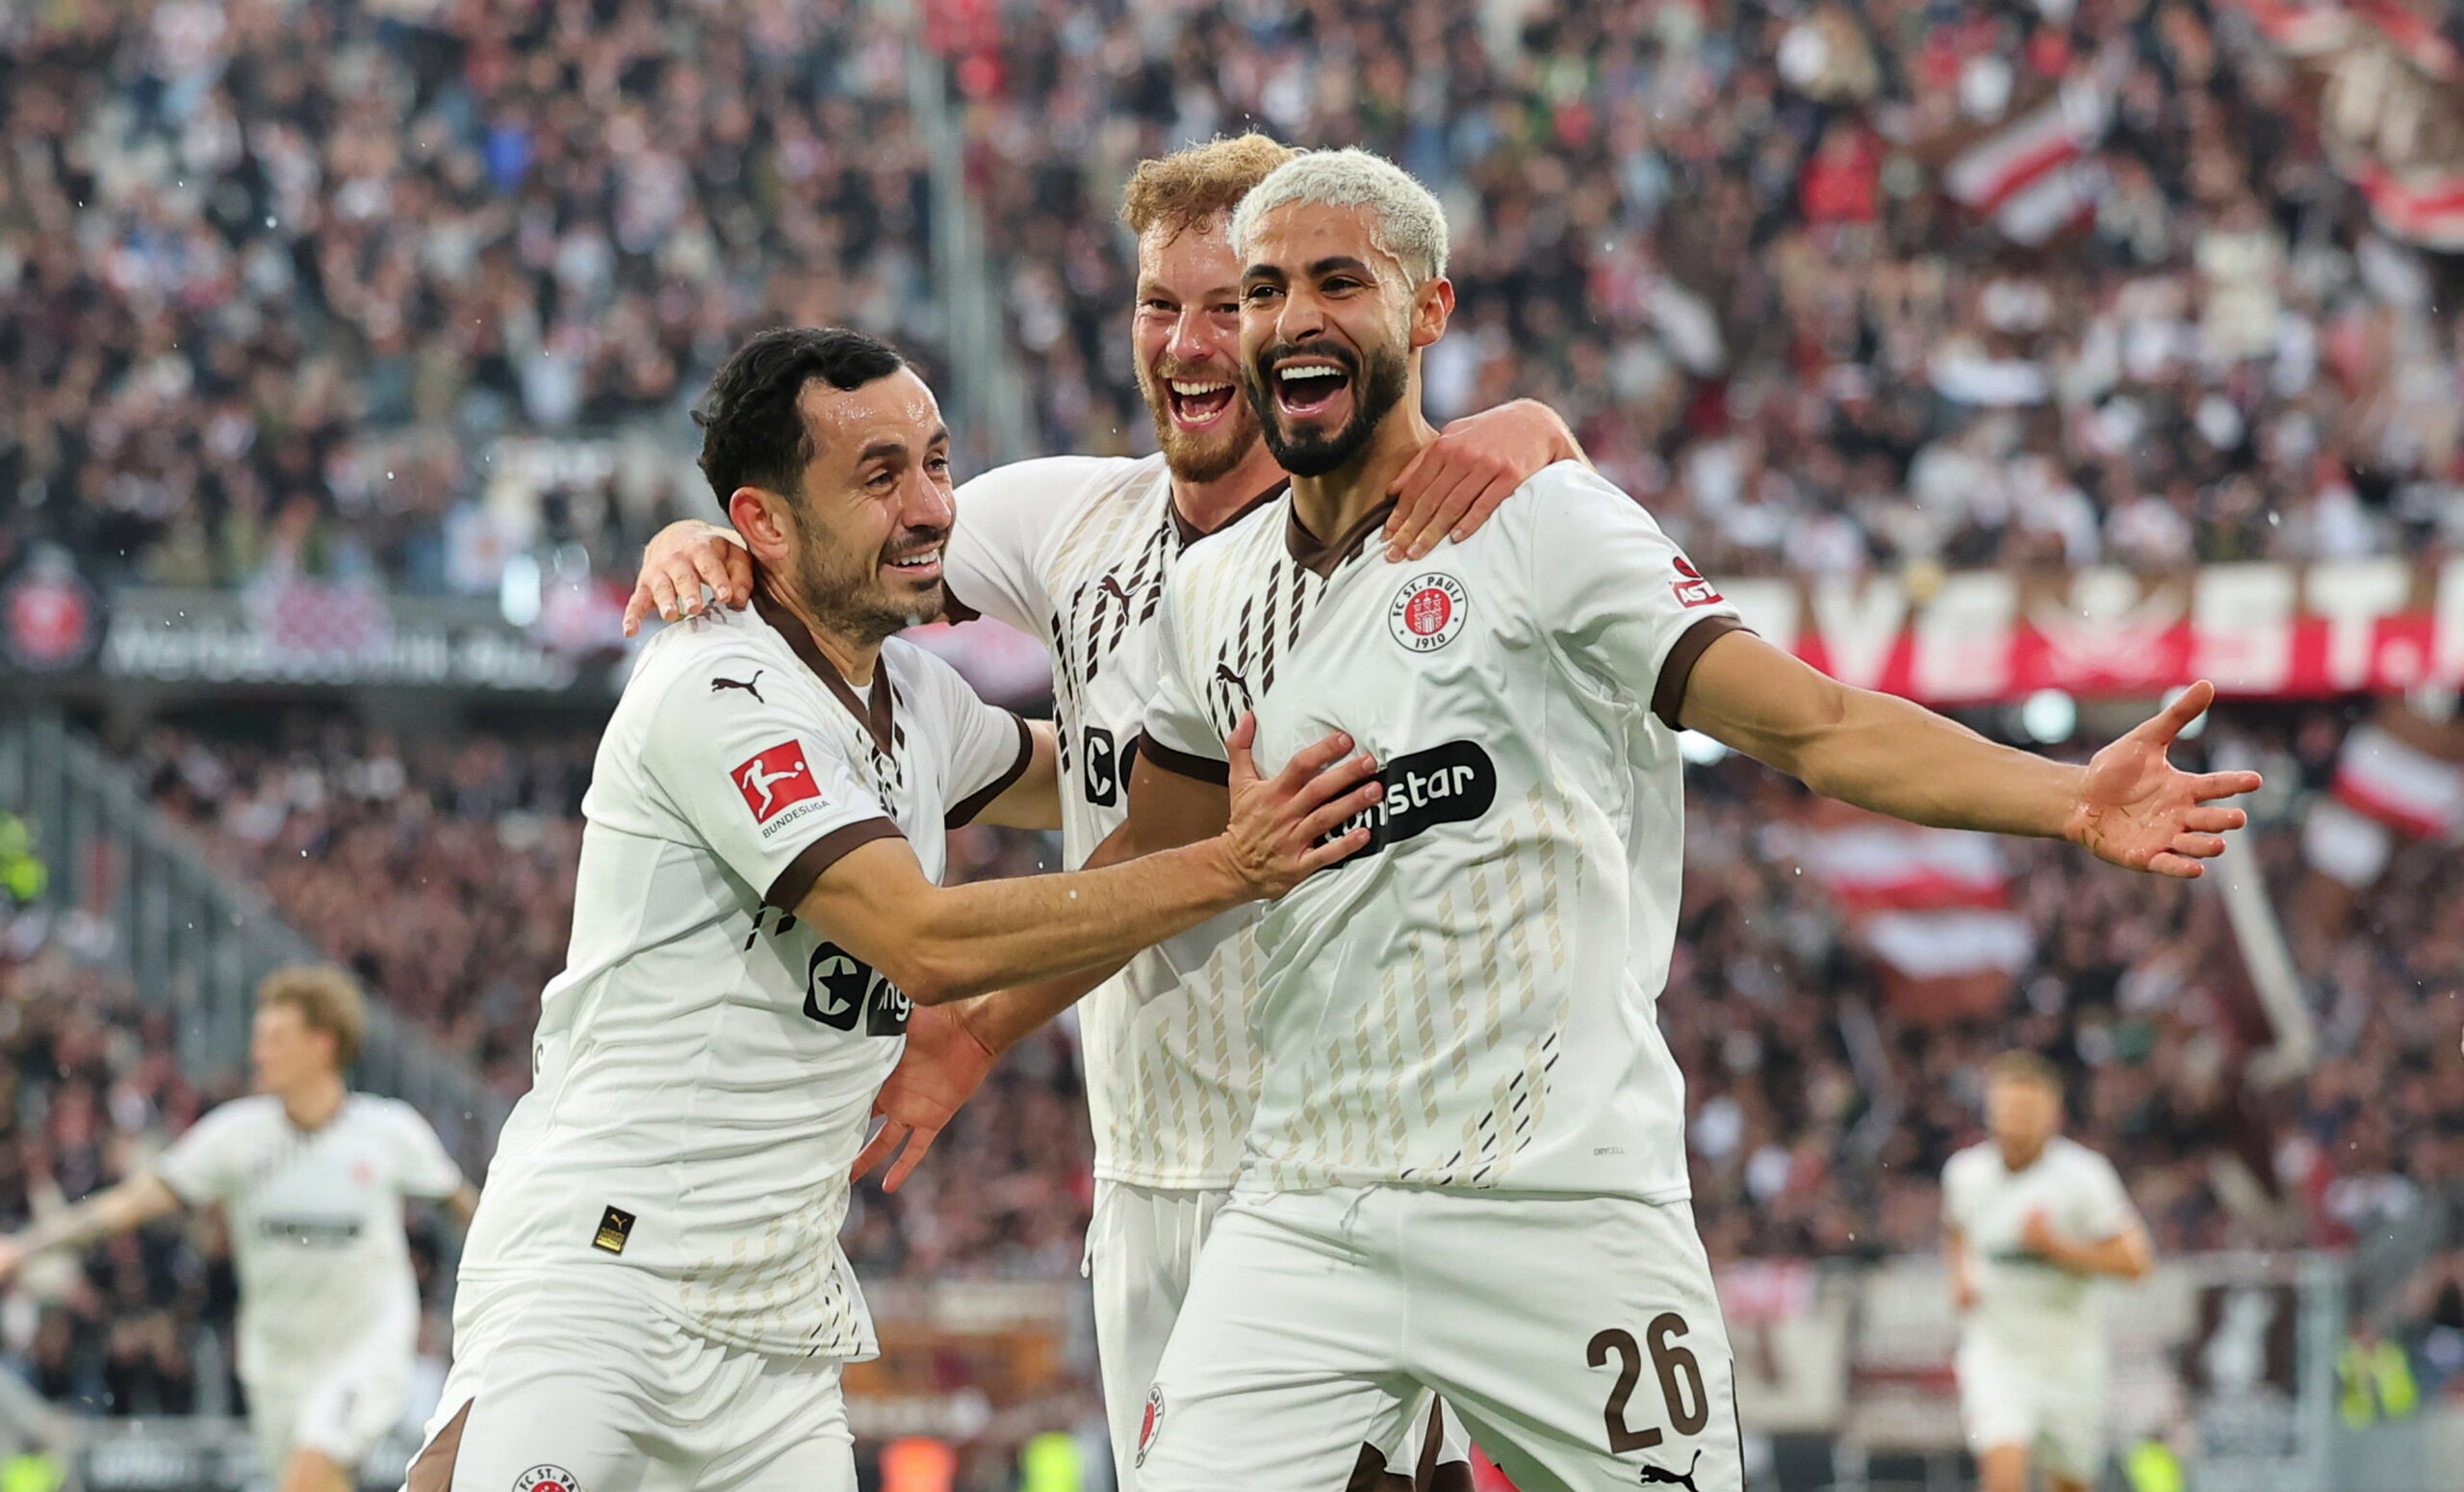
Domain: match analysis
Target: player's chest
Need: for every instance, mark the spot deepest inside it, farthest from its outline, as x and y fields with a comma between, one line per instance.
x=314, y=1192
x=889, y=757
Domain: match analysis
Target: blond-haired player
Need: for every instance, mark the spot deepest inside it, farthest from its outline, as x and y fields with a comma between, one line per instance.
x=312, y=1177
x=2033, y=1222
x=1075, y=550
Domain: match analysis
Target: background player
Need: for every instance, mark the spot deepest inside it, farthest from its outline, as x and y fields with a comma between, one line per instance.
x=2033, y=1222
x=1467, y=1168
x=653, y=1294
x=313, y=1177
x=1075, y=550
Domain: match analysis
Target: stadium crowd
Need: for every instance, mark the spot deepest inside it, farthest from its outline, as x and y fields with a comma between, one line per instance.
x=281, y=274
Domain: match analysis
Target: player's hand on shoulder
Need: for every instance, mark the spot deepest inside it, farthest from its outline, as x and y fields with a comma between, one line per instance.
x=1283, y=828
x=681, y=559
x=1459, y=480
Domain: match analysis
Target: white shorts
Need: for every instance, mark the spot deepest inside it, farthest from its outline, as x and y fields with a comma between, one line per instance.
x=2058, y=1417
x=578, y=1385
x=340, y=1409
x=1142, y=1248
x=1580, y=1339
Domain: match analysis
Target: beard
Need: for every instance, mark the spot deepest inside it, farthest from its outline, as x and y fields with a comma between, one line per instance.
x=844, y=593
x=1195, y=456
x=1376, y=392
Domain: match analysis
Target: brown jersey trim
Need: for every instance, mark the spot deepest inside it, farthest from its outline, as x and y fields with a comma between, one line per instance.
x=432, y=1469
x=954, y=610
x=1668, y=691
x=1325, y=556
x=822, y=853
x=978, y=801
x=1205, y=769
x=1190, y=533
x=874, y=715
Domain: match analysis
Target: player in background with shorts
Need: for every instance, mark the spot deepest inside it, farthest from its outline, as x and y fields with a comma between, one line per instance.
x=1466, y=1171
x=653, y=1296
x=1074, y=551
x=2033, y=1222
x=312, y=1177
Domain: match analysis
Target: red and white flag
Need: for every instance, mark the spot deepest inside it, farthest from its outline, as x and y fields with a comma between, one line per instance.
x=1932, y=906
x=2033, y=175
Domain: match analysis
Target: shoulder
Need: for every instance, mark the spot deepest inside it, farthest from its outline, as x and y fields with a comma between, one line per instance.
x=720, y=636
x=1570, y=492
x=1055, y=480
x=920, y=671
x=2082, y=1161
x=1236, y=549
x=257, y=1114
x=1965, y=1167
x=387, y=1114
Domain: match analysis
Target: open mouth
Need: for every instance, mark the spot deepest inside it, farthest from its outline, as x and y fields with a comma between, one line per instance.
x=1197, y=402
x=1304, y=387
x=924, y=564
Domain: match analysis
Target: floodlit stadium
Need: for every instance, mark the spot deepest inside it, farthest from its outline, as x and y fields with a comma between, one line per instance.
x=1231, y=745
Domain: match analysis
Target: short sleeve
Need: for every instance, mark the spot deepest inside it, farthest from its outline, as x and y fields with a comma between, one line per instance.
x=422, y=1168
x=984, y=748
x=774, y=799
x=206, y=1164
x=2104, y=1204
x=993, y=564
x=1179, y=735
x=1625, y=606
x=1955, y=1191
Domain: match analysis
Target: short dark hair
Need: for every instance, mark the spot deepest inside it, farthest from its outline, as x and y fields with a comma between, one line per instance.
x=753, y=435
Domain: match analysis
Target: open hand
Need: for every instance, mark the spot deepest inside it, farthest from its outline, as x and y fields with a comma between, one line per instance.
x=1457, y=481
x=942, y=1066
x=1283, y=827
x=2139, y=810
x=681, y=559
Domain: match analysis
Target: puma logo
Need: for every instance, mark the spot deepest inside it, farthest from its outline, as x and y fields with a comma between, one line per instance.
x=1110, y=586
x=1675, y=1478
x=748, y=685
x=1239, y=685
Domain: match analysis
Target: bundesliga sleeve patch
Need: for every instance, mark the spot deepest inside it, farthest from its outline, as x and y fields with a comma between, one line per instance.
x=1692, y=590
x=775, y=781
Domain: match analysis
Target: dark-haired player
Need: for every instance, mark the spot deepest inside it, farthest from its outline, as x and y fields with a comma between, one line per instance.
x=653, y=1295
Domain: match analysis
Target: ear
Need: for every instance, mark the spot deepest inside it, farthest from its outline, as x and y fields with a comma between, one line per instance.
x=1432, y=308
x=762, y=515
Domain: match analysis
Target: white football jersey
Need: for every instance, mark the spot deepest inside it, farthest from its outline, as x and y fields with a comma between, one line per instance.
x=316, y=1221
x=1471, y=1001
x=2023, y=1301
x=705, y=1064
x=1074, y=551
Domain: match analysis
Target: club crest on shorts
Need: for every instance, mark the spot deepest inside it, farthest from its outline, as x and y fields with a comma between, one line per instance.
x=544, y=1478
x=1427, y=613
x=1151, y=1423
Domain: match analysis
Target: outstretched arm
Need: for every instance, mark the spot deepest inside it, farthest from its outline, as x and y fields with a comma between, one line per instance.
x=133, y=1203
x=2129, y=805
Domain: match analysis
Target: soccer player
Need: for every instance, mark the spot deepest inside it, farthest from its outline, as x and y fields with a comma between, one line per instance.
x=1075, y=550
x=312, y=1177
x=1466, y=1171
x=2033, y=1222
x=653, y=1295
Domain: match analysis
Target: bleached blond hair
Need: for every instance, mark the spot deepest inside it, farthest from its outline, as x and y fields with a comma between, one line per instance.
x=1404, y=218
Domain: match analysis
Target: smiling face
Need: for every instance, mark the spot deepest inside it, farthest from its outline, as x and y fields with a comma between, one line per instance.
x=863, y=536
x=1185, y=336
x=1328, y=325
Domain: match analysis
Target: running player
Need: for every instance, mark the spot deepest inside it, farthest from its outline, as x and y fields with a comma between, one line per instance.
x=1075, y=550
x=1466, y=1171
x=2034, y=1221
x=653, y=1295
x=312, y=1177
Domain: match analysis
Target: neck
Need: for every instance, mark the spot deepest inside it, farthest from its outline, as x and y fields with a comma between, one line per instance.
x=313, y=1104
x=2019, y=1157
x=1331, y=505
x=854, y=659
x=1209, y=505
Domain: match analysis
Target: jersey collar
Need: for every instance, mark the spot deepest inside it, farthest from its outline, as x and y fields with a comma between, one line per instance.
x=1190, y=533
x=1325, y=556
x=874, y=717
